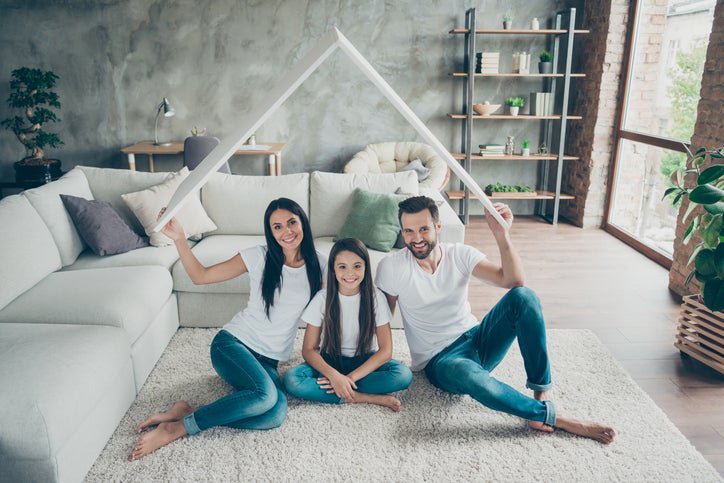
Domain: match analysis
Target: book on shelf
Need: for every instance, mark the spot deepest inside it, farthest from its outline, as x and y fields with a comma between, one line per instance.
x=500, y=147
x=541, y=103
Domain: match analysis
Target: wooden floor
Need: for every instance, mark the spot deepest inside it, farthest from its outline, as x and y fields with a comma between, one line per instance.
x=589, y=279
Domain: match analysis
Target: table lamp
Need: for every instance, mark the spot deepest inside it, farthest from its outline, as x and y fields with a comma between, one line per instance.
x=167, y=112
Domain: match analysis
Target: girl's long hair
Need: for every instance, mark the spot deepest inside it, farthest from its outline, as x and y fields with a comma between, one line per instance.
x=332, y=323
x=272, y=278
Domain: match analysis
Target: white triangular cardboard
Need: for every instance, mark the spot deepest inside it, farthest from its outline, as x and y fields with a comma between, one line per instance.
x=285, y=87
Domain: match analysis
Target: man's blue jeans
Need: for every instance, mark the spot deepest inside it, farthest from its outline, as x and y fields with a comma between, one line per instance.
x=257, y=402
x=464, y=366
x=301, y=381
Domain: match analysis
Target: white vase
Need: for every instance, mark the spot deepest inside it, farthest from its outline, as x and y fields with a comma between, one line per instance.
x=526, y=152
x=514, y=110
x=534, y=24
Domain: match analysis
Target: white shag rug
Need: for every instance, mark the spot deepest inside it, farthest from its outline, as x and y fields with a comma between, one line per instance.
x=436, y=437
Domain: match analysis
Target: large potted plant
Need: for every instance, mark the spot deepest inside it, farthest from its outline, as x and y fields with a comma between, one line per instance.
x=31, y=93
x=701, y=326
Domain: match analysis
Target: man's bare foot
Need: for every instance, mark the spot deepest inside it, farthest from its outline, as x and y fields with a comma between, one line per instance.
x=588, y=429
x=379, y=399
x=161, y=436
x=178, y=410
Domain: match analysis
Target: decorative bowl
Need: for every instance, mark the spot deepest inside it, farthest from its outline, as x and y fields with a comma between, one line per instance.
x=485, y=109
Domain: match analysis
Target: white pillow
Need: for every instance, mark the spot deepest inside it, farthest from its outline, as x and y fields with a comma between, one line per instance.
x=147, y=204
x=417, y=166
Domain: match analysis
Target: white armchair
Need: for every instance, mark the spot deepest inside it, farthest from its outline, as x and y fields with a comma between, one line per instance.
x=392, y=157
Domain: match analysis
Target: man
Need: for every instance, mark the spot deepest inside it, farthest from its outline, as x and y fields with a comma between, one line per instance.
x=430, y=280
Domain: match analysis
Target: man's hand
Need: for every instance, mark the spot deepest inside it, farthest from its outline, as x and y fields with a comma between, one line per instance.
x=495, y=227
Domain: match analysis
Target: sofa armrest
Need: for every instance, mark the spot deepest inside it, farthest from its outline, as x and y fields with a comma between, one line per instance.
x=453, y=230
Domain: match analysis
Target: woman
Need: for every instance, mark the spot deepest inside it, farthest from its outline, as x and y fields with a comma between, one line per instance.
x=284, y=276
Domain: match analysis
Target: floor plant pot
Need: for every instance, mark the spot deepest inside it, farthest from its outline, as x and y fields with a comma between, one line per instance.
x=514, y=110
x=545, y=67
x=700, y=333
x=37, y=173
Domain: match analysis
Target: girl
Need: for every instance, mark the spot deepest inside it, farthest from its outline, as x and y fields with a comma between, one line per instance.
x=346, y=317
x=284, y=276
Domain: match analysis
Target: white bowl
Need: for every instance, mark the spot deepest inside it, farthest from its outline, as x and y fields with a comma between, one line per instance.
x=485, y=109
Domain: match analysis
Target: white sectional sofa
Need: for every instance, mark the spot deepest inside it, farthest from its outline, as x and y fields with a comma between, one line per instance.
x=79, y=333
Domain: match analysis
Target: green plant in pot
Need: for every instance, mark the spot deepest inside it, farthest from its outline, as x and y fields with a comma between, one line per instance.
x=545, y=66
x=514, y=104
x=31, y=93
x=708, y=255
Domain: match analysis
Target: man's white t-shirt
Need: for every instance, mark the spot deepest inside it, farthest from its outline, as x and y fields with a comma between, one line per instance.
x=349, y=311
x=434, y=306
x=272, y=336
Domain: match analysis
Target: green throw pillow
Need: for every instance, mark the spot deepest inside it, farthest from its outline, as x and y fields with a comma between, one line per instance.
x=373, y=219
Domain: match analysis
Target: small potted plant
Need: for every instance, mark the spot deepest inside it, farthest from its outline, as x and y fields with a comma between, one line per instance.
x=514, y=104
x=526, y=148
x=31, y=93
x=545, y=66
x=694, y=331
x=508, y=20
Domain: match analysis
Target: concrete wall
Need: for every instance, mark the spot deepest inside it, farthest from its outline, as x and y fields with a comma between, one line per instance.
x=215, y=60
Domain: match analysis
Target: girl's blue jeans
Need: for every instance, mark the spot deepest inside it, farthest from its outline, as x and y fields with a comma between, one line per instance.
x=464, y=366
x=257, y=402
x=301, y=381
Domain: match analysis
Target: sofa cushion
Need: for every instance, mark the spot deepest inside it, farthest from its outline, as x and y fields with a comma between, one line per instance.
x=127, y=297
x=55, y=378
x=214, y=249
x=147, y=204
x=47, y=203
x=237, y=203
x=161, y=256
x=108, y=184
x=373, y=219
x=28, y=252
x=331, y=195
x=101, y=227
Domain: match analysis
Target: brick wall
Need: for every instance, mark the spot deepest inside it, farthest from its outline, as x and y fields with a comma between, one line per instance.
x=709, y=133
x=596, y=99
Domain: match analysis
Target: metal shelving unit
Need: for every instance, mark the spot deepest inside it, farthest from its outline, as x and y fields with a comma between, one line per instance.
x=550, y=122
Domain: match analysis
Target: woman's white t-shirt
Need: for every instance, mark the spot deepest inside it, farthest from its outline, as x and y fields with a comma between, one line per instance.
x=272, y=336
x=349, y=311
x=434, y=306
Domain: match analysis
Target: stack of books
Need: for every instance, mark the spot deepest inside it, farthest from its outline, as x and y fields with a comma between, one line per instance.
x=541, y=104
x=487, y=62
x=492, y=149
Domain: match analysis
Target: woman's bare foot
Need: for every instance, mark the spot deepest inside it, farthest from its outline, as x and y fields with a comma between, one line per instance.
x=539, y=425
x=178, y=410
x=588, y=429
x=379, y=399
x=161, y=436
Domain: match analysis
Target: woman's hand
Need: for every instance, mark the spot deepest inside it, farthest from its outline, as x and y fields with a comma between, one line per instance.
x=339, y=384
x=173, y=228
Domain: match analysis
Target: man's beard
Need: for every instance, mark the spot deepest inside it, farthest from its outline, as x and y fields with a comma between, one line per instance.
x=424, y=254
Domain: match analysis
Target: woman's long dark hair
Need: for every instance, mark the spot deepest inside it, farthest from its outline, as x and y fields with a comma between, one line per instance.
x=332, y=324
x=272, y=278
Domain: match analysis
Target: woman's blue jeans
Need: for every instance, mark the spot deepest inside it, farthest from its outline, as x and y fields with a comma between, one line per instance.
x=464, y=366
x=301, y=381
x=257, y=402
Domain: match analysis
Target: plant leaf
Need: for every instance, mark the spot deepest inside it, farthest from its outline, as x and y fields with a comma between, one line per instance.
x=710, y=174
x=693, y=226
x=688, y=279
x=710, y=234
x=715, y=209
x=668, y=192
x=706, y=194
x=713, y=294
x=705, y=263
x=693, y=255
x=689, y=209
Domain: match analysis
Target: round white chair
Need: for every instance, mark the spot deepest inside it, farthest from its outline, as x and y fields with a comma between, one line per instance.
x=393, y=157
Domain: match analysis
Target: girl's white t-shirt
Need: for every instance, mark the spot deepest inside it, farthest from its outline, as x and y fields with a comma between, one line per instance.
x=434, y=306
x=349, y=311
x=272, y=336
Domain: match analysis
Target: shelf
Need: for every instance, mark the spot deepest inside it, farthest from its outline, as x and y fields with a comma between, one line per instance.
x=517, y=31
x=542, y=195
x=514, y=157
x=464, y=74
x=520, y=117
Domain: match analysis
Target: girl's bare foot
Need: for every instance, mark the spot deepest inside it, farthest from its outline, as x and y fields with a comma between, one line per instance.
x=178, y=410
x=379, y=399
x=161, y=436
x=539, y=425
x=588, y=429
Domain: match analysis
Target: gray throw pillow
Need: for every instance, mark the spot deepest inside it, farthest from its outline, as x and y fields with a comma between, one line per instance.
x=101, y=227
x=417, y=166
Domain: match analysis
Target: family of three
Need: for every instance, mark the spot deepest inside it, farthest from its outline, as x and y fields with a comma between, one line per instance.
x=348, y=342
